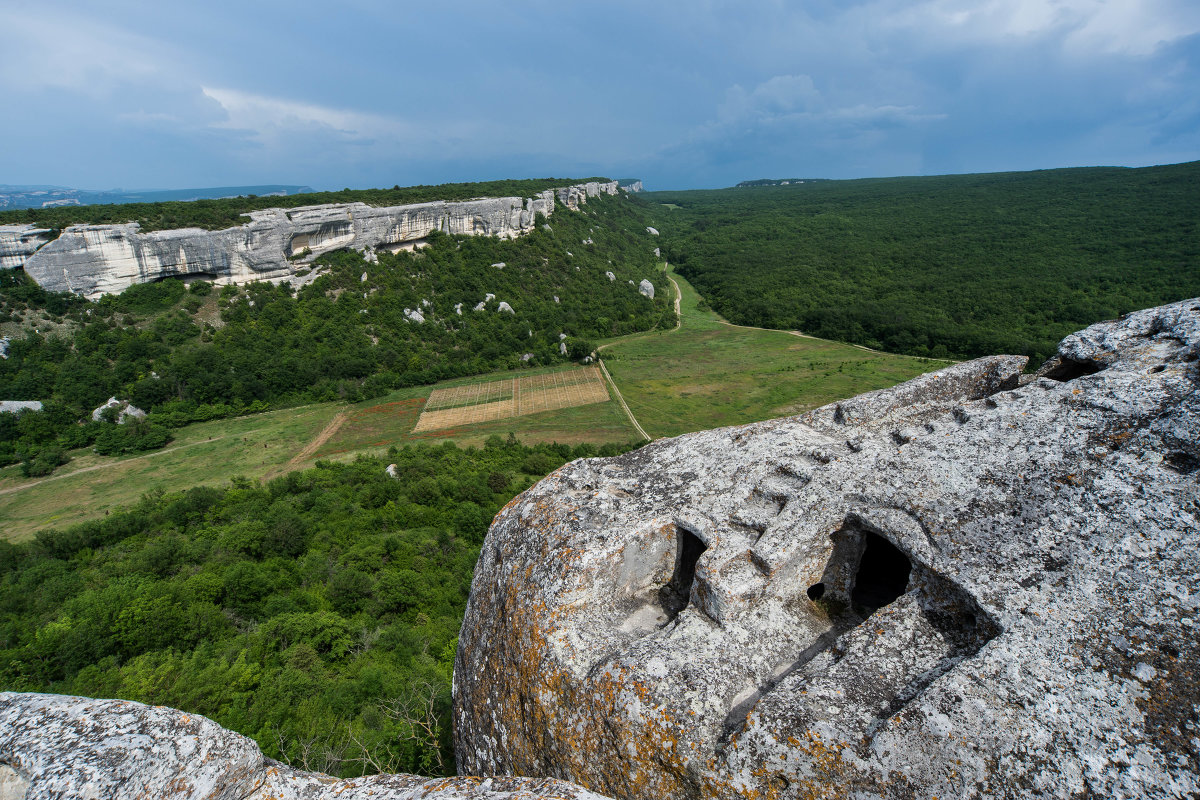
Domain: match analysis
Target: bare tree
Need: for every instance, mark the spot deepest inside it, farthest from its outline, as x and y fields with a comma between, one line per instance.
x=416, y=711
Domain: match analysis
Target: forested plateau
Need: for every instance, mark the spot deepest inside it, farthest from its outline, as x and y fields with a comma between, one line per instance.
x=950, y=266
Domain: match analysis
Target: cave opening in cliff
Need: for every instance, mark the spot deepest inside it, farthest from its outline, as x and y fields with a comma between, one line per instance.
x=882, y=574
x=688, y=549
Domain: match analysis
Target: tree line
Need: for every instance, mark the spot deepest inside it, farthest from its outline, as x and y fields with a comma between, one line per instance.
x=951, y=266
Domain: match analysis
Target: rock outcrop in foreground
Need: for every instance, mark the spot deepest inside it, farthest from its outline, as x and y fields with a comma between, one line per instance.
x=54, y=747
x=93, y=260
x=968, y=585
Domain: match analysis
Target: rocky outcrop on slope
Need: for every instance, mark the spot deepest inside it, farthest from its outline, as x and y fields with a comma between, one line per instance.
x=970, y=585
x=574, y=196
x=52, y=746
x=93, y=260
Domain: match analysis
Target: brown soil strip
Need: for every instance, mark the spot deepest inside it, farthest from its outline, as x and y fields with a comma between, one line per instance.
x=312, y=447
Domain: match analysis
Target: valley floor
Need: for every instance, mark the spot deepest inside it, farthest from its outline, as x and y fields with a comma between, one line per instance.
x=704, y=373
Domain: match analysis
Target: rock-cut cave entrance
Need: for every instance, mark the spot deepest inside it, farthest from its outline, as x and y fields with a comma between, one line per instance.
x=882, y=574
x=675, y=594
x=865, y=573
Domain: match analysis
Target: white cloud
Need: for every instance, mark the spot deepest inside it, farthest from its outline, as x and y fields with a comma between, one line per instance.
x=1128, y=27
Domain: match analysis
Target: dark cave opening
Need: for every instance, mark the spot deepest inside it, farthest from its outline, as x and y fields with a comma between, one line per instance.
x=674, y=596
x=882, y=574
x=1069, y=369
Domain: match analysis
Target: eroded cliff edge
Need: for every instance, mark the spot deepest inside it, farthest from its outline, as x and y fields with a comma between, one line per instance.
x=54, y=747
x=92, y=260
x=969, y=585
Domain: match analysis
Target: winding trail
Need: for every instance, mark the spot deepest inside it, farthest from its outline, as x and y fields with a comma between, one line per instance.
x=620, y=399
x=95, y=467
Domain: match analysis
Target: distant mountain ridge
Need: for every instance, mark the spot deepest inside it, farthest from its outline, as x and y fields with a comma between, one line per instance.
x=14, y=196
x=780, y=182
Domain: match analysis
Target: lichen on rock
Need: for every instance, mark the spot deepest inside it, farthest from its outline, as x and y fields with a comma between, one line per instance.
x=974, y=584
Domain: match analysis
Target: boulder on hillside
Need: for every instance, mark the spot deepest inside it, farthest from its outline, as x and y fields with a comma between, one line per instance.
x=646, y=288
x=973, y=584
x=119, y=411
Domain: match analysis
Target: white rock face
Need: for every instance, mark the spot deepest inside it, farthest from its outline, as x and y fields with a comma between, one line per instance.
x=975, y=584
x=54, y=747
x=635, y=186
x=125, y=410
x=657, y=252
x=458, y=308
x=17, y=406
x=652, y=231
x=646, y=288
x=93, y=260
x=562, y=348
x=610, y=276
x=414, y=315
x=574, y=196
x=504, y=307
x=499, y=265
x=392, y=472
x=19, y=242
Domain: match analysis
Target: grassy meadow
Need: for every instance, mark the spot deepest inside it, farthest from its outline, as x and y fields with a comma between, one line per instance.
x=709, y=373
x=705, y=374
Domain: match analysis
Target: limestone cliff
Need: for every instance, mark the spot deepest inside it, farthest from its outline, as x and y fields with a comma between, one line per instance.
x=92, y=260
x=54, y=748
x=574, y=196
x=970, y=585
x=19, y=242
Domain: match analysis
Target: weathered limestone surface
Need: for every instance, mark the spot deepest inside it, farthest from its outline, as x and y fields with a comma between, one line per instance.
x=92, y=260
x=57, y=747
x=968, y=585
x=19, y=242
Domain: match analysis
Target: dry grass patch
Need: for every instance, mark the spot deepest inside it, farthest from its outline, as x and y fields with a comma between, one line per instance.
x=485, y=402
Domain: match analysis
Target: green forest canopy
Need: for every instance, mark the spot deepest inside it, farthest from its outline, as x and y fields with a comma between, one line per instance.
x=949, y=266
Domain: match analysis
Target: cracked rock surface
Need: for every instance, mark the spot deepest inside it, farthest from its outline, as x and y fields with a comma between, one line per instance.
x=58, y=747
x=973, y=584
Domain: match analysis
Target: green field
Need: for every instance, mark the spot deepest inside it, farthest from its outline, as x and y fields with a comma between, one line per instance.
x=263, y=445
x=705, y=374
x=709, y=373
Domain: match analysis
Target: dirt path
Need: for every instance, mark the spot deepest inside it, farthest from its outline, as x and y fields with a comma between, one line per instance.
x=312, y=447
x=621, y=400
x=95, y=467
x=678, y=297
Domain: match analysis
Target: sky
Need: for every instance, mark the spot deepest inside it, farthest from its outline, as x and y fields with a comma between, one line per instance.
x=696, y=94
